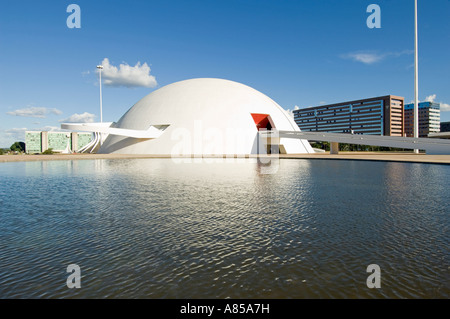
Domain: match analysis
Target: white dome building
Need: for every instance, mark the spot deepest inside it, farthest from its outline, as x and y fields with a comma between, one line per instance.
x=202, y=117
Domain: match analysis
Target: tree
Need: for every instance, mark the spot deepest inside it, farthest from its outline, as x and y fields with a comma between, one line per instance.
x=18, y=147
x=48, y=151
x=2, y=151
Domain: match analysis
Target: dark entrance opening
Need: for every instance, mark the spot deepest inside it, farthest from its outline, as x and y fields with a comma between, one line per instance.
x=264, y=123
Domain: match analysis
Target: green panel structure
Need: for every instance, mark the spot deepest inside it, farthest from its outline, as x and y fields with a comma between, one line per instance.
x=33, y=142
x=58, y=141
x=37, y=142
x=83, y=140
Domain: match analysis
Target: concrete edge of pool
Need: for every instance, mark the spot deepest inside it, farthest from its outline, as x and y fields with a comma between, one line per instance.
x=362, y=156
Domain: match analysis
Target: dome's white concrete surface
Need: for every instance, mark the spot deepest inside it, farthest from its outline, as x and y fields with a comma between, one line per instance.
x=203, y=116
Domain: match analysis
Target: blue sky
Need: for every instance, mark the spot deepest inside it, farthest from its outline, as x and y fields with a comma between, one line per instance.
x=299, y=53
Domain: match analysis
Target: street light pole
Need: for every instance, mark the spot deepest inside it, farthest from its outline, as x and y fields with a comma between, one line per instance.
x=416, y=76
x=100, y=67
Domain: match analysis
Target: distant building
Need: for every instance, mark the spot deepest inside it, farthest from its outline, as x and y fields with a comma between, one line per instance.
x=429, y=119
x=445, y=126
x=376, y=116
x=38, y=142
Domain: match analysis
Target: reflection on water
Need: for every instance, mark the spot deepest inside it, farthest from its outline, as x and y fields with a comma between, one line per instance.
x=150, y=228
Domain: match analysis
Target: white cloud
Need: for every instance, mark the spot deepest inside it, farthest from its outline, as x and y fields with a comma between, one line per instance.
x=16, y=132
x=366, y=58
x=445, y=107
x=369, y=57
x=21, y=131
x=12, y=135
x=430, y=98
x=79, y=118
x=49, y=129
x=126, y=75
x=290, y=112
x=39, y=112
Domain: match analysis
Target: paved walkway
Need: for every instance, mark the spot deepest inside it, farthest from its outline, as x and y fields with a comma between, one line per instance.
x=363, y=156
x=377, y=156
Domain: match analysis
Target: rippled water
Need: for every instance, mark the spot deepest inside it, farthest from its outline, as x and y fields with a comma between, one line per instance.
x=152, y=228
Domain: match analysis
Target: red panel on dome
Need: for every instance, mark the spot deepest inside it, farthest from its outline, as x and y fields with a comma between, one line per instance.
x=262, y=121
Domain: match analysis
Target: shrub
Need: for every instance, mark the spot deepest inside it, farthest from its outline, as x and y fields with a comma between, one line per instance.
x=48, y=152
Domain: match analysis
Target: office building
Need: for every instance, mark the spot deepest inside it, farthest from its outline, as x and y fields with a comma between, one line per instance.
x=429, y=119
x=376, y=116
x=445, y=126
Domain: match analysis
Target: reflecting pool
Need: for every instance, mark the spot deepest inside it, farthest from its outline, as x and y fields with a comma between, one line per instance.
x=154, y=228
